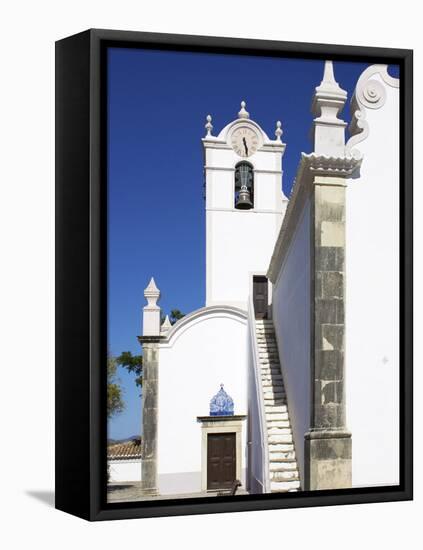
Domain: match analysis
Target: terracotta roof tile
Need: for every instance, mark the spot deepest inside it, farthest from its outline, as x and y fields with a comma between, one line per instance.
x=128, y=449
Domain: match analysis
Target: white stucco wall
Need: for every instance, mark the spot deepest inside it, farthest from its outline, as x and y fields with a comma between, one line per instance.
x=239, y=244
x=125, y=470
x=372, y=299
x=291, y=315
x=205, y=349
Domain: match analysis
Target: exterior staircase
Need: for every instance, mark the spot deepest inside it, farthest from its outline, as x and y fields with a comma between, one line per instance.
x=283, y=470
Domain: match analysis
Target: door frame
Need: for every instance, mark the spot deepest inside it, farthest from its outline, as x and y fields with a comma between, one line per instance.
x=220, y=424
x=253, y=274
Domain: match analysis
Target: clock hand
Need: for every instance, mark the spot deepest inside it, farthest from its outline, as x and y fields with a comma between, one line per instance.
x=245, y=145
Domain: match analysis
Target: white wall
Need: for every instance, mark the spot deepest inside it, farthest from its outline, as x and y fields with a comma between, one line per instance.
x=239, y=244
x=124, y=470
x=205, y=349
x=291, y=314
x=372, y=314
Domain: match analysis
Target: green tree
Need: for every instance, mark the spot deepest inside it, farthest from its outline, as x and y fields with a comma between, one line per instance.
x=115, y=404
x=132, y=363
x=175, y=315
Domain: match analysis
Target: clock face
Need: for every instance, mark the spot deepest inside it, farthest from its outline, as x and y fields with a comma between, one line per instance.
x=245, y=141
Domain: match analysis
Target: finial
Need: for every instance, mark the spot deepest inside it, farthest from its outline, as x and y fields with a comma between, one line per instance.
x=278, y=131
x=328, y=75
x=152, y=293
x=243, y=113
x=329, y=84
x=221, y=385
x=209, y=125
x=166, y=325
x=329, y=98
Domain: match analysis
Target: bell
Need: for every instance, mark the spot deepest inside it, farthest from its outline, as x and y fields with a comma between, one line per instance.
x=244, y=201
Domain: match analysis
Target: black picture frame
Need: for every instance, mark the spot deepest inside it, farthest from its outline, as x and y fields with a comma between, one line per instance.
x=81, y=274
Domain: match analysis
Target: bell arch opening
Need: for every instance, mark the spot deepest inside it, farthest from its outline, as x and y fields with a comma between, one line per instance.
x=244, y=186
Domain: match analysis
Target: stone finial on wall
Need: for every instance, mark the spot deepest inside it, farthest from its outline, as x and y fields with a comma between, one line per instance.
x=243, y=113
x=209, y=126
x=166, y=325
x=278, y=131
x=328, y=101
x=151, y=312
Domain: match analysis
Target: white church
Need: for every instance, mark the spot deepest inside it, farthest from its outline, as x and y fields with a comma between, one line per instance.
x=288, y=378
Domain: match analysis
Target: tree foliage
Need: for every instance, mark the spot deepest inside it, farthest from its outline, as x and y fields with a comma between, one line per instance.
x=115, y=404
x=132, y=363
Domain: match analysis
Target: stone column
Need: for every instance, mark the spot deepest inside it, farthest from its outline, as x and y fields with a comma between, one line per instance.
x=328, y=442
x=150, y=386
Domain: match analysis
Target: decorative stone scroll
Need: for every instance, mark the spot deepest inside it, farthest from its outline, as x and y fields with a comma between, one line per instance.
x=370, y=93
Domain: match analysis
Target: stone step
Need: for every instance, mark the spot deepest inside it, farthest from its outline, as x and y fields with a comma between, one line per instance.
x=270, y=383
x=280, y=424
x=272, y=377
x=269, y=380
x=284, y=476
x=276, y=402
x=270, y=367
x=283, y=422
x=281, y=447
x=284, y=439
x=274, y=396
x=277, y=386
x=277, y=430
x=282, y=456
x=275, y=410
x=270, y=373
x=283, y=486
x=279, y=402
x=286, y=466
x=278, y=417
x=267, y=344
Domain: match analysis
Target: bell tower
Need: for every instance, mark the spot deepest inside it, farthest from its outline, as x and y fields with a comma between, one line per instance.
x=245, y=206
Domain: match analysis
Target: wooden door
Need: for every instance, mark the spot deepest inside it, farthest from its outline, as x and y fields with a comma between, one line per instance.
x=260, y=299
x=221, y=460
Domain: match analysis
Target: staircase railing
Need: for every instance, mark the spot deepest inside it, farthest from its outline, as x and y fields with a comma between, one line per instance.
x=255, y=377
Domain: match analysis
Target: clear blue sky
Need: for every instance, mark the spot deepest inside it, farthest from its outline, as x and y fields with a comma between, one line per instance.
x=157, y=106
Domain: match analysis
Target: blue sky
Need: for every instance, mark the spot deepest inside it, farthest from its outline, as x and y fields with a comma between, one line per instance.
x=157, y=106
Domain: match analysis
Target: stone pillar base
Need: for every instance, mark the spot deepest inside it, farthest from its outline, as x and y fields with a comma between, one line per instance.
x=327, y=460
x=149, y=491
